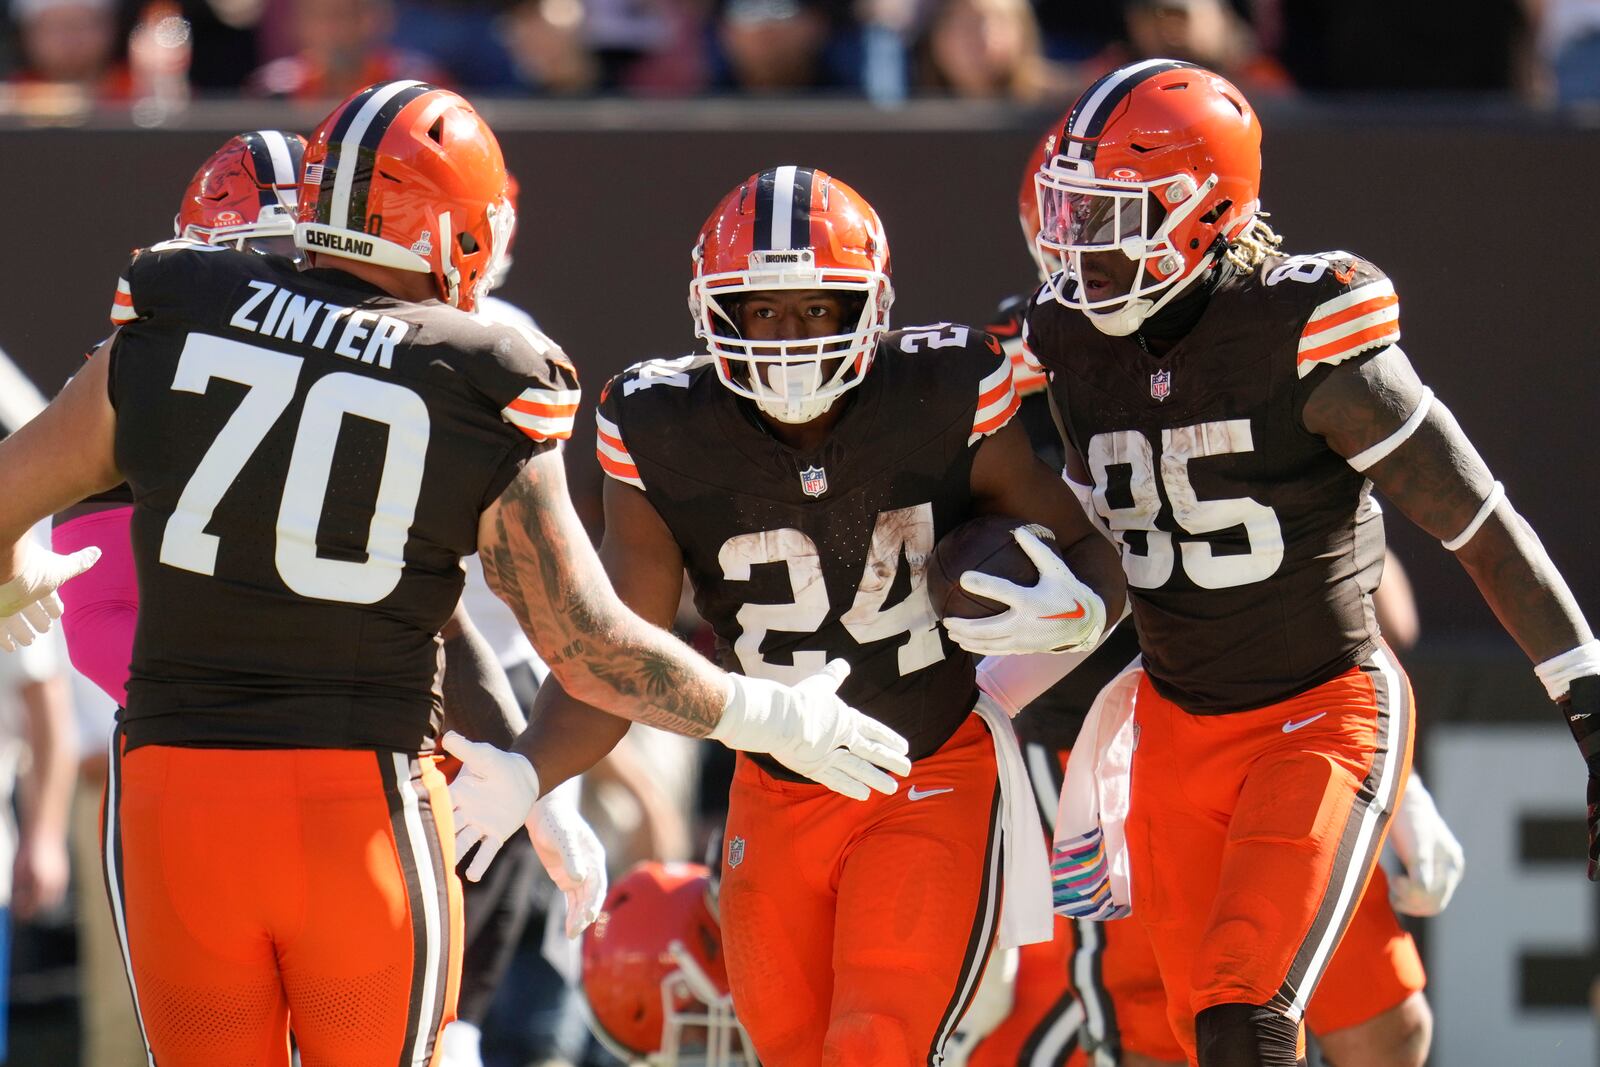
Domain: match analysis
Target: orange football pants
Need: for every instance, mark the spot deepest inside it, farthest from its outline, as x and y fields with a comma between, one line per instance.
x=856, y=931
x=1252, y=836
x=259, y=891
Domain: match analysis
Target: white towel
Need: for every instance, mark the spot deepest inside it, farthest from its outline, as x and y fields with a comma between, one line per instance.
x=1025, y=917
x=1089, y=864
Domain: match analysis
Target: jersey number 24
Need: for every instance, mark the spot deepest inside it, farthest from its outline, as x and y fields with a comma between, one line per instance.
x=903, y=529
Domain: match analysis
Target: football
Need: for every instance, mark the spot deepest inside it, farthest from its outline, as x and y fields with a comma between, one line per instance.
x=982, y=544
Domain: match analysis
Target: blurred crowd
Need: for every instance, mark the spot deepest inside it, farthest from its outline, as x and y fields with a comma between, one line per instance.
x=156, y=54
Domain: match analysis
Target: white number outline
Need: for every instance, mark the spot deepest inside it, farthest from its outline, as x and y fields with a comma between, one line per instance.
x=270, y=379
x=1153, y=568
x=900, y=531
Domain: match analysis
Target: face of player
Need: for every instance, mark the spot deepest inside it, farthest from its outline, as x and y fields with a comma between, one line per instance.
x=791, y=315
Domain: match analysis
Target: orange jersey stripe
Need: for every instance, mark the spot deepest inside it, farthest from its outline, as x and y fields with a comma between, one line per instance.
x=613, y=467
x=1352, y=343
x=123, y=299
x=1366, y=307
x=994, y=394
x=614, y=442
x=991, y=424
x=541, y=435
x=548, y=411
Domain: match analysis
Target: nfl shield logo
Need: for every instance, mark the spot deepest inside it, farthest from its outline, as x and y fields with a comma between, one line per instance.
x=1161, y=385
x=814, y=481
x=736, y=852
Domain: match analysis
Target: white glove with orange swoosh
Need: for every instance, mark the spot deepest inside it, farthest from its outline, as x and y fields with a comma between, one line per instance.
x=1058, y=613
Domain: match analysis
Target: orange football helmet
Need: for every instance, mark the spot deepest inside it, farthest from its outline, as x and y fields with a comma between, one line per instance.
x=791, y=228
x=245, y=192
x=409, y=176
x=1158, y=160
x=654, y=980
x=1028, y=207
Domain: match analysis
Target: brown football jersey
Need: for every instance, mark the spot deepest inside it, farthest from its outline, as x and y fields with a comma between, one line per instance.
x=1251, y=547
x=797, y=559
x=308, y=458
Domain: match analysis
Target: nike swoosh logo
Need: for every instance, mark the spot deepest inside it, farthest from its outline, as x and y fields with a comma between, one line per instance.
x=1077, y=612
x=914, y=794
x=1291, y=726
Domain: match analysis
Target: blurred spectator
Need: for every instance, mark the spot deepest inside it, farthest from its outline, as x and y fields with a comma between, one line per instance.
x=342, y=45
x=71, y=43
x=1205, y=32
x=1569, y=42
x=1380, y=46
x=546, y=41
x=775, y=46
x=989, y=48
x=463, y=36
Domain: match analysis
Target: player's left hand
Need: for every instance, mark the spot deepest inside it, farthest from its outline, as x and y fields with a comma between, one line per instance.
x=492, y=796
x=1429, y=852
x=28, y=602
x=572, y=855
x=1058, y=613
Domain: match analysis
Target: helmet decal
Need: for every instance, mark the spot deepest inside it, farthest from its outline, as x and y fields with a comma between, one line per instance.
x=352, y=146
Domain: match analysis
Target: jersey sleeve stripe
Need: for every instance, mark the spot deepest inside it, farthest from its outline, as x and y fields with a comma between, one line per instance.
x=1026, y=373
x=538, y=427
x=553, y=397
x=1382, y=332
x=996, y=415
x=1355, y=311
x=1368, y=316
x=122, y=304
x=551, y=411
x=614, y=457
x=1361, y=294
x=992, y=383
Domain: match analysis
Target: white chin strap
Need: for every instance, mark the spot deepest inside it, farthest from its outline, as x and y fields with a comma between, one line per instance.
x=791, y=395
x=1123, y=320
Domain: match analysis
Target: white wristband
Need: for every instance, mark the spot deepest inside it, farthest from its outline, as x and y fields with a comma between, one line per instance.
x=1380, y=451
x=1557, y=672
x=1459, y=541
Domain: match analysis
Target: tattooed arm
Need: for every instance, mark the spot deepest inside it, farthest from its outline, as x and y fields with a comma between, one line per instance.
x=1438, y=479
x=566, y=736
x=537, y=558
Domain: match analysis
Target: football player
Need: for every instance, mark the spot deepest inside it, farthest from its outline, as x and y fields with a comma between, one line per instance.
x=801, y=471
x=1228, y=410
x=1369, y=1008
x=311, y=454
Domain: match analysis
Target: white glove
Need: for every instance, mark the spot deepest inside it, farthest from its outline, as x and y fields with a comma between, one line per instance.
x=28, y=602
x=492, y=796
x=1428, y=851
x=1058, y=613
x=572, y=855
x=811, y=731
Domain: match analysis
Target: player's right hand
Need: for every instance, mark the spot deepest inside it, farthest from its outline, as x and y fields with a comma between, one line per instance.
x=491, y=796
x=807, y=728
x=1581, y=708
x=28, y=602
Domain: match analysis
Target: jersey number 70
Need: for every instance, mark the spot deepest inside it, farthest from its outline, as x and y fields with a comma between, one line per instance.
x=270, y=378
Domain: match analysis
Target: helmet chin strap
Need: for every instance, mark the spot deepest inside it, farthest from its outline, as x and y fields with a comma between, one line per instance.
x=791, y=395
